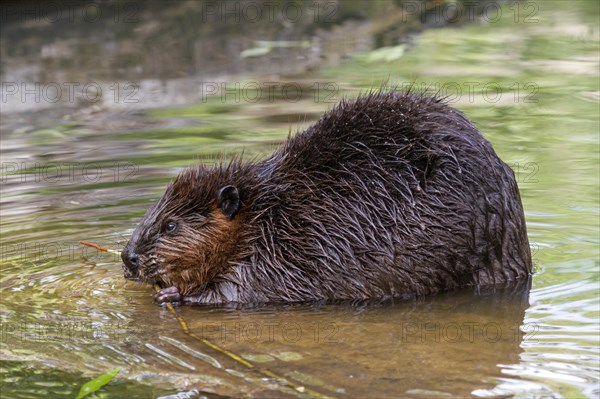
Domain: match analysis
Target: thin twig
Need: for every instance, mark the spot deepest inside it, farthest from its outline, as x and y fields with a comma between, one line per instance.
x=99, y=248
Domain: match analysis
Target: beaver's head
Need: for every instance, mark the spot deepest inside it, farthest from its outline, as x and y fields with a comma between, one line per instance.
x=189, y=236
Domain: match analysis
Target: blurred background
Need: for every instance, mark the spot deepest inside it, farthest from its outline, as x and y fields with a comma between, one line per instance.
x=103, y=102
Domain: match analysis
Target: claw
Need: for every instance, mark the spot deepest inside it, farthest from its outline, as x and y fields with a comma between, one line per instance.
x=168, y=295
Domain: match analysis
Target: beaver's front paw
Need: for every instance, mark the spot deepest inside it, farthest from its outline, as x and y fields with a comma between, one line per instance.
x=168, y=295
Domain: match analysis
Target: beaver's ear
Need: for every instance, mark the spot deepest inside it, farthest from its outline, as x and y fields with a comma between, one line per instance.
x=228, y=200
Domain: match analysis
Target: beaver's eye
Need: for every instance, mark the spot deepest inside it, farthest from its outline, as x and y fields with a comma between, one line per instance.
x=170, y=227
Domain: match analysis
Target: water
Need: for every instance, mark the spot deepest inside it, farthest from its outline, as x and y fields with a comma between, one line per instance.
x=76, y=170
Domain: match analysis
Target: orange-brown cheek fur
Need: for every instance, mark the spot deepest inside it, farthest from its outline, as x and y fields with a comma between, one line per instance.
x=195, y=257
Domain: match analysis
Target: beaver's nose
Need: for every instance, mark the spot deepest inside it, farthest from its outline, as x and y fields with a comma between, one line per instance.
x=130, y=258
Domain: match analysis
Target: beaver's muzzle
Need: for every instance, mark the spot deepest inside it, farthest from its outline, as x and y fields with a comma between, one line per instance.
x=130, y=262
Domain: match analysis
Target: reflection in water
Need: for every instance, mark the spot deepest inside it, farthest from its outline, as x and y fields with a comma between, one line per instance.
x=449, y=344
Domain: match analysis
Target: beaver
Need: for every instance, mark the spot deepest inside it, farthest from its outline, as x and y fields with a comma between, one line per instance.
x=391, y=195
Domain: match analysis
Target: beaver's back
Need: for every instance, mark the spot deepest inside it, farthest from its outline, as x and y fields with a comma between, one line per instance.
x=388, y=195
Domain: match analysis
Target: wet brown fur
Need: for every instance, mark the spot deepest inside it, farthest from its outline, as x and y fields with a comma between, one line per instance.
x=390, y=195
